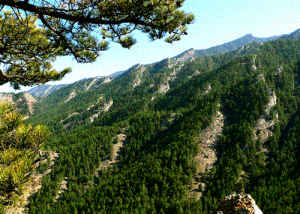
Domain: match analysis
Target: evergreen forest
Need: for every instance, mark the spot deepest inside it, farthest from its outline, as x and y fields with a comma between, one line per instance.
x=128, y=143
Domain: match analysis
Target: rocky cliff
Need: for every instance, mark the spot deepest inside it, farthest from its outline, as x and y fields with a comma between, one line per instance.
x=239, y=204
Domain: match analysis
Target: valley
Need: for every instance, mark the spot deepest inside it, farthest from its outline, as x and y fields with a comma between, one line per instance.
x=175, y=136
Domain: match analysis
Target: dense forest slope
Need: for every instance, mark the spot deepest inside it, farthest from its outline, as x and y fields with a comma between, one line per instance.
x=137, y=142
x=94, y=95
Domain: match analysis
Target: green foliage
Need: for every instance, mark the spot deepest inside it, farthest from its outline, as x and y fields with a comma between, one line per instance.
x=156, y=163
x=27, y=51
x=20, y=145
x=71, y=27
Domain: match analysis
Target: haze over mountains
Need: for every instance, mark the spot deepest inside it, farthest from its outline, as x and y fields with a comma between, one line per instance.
x=175, y=136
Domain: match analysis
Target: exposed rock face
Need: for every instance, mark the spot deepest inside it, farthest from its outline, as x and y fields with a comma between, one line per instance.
x=75, y=113
x=116, y=152
x=239, y=204
x=207, y=155
x=271, y=103
x=194, y=74
x=163, y=88
x=72, y=95
x=107, y=80
x=172, y=75
x=209, y=136
x=91, y=84
x=91, y=106
x=30, y=100
x=93, y=117
x=49, y=89
x=254, y=68
x=264, y=123
x=187, y=55
x=260, y=78
x=105, y=108
x=6, y=98
x=207, y=89
x=62, y=189
x=137, y=81
x=141, y=68
x=279, y=70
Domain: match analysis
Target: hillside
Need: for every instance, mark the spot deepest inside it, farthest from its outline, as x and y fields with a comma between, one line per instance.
x=140, y=81
x=44, y=90
x=23, y=101
x=179, y=135
x=230, y=46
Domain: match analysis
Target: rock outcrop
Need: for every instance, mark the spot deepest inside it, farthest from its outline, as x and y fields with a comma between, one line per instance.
x=163, y=88
x=6, y=98
x=207, y=89
x=279, y=70
x=207, y=156
x=26, y=97
x=70, y=115
x=63, y=187
x=107, y=163
x=105, y=108
x=239, y=204
x=72, y=95
x=92, y=83
x=264, y=125
x=107, y=80
x=209, y=136
x=137, y=81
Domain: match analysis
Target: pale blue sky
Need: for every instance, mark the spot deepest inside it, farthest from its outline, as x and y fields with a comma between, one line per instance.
x=217, y=22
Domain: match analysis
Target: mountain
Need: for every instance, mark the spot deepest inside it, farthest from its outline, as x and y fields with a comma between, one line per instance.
x=84, y=101
x=230, y=46
x=23, y=101
x=164, y=75
x=294, y=35
x=177, y=136
x=116, y=73
x=44, y=90
x=191, y=54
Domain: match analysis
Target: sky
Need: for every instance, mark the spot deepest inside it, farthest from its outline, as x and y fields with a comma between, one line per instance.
x=216, y=22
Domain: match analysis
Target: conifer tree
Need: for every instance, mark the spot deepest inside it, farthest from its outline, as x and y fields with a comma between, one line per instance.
x=81, y=28
x=20, y=147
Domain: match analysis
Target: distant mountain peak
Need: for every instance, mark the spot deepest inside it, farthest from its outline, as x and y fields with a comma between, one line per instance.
x=44, y=90
x=249, y=35
x=293, y=35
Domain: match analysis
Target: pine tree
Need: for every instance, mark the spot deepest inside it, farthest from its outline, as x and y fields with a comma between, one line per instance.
x=80, y=28
x=20, y=147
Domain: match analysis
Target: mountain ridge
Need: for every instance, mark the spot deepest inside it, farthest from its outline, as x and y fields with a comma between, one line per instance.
x=187, y=55
x=194, y=130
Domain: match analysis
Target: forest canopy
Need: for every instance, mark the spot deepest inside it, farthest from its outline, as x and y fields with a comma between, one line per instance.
x=35, y=32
